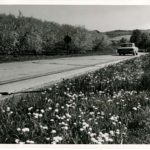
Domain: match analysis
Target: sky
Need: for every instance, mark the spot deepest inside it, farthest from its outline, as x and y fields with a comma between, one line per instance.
x=93, y=17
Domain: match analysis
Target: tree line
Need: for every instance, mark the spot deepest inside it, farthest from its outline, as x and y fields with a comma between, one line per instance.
x=141, y=39
x=27, y=35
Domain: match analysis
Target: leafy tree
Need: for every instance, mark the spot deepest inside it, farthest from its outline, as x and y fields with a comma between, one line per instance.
x=123, y=40
x=136, y=37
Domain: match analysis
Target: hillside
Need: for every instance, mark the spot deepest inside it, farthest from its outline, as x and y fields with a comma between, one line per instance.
x=116, y=33
x=118, y=38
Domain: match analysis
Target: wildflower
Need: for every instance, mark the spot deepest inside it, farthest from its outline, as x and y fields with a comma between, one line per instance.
x=56, y=110
x=21, y=142
x=66, y=128
x=44, y=127
x=110, y=100
x=68, y=115
x=57, y=139
x=47, y=139
x=53, y=131
x=117, y=131
x=114, y=123
x=30, y=108
x=40, y=115
x=90, y=129
x=17, y=141
x=91, y=113
x=11, y=112
x=81, y=129
x=111, y=132
x=49, y=100
x=134, y=108
x=8, y=109
x=52, y=120
x=50, y=108
x=114, y=118
x=3, y=111
x=94, y=140
x=62, y=107
x=30, y=142
x=42, y=111
x=25, y=130
x=18, y=129
x=57, y=104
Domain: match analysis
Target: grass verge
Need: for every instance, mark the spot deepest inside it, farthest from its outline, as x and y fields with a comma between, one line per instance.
x=108, y=106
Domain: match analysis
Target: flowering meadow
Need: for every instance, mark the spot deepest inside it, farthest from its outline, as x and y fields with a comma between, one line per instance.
x=107, y=106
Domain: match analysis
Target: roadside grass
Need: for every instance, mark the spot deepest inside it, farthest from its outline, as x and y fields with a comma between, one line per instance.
x=10, y=58
x=108, y=106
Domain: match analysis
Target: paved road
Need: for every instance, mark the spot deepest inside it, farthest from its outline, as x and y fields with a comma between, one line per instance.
x=19, y=76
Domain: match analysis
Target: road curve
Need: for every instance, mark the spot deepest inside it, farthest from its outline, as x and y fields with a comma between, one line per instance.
x=28, y=75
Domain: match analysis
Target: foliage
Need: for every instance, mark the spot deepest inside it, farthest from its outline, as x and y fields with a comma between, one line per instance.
x=27, y=35
x=141, y=39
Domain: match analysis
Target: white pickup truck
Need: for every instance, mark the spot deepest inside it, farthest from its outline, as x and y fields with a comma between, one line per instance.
x=127, y=48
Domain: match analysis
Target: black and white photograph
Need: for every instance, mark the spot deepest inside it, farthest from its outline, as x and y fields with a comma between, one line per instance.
x=74, y=74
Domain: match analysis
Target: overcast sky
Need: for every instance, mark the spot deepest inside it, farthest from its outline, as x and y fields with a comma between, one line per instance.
x=102, y=18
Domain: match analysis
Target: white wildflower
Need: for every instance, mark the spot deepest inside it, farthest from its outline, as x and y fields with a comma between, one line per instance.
x=53, y=131
x=25, y=130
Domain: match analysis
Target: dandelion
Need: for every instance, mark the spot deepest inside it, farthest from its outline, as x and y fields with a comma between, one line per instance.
x=65, y=128
x=17, y=141
x=57, y=139
x=94, y=140
x=111, y=132
x=68, y=115
x=62, y=107
x=53, y=131
x=75, y=123
x=91, y=113
x=40, y=115
x=30, y=142
x=25, y=130
x=81, y=129
x=29, y=113
x=56, y=110
x=11, y=112
x=134, y=108
x=48, y=139
x=52, y=120
x=49, y=108
x=57, y=104
x=8, y=109
x=118, y=131
x=18, y=129
x=30, y=108
x=42, y=111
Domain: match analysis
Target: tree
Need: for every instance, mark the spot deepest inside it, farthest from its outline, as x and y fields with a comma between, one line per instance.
x=123, y=40
x=136, y=37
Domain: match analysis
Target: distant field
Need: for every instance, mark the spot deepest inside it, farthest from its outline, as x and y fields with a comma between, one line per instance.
x=117, y=38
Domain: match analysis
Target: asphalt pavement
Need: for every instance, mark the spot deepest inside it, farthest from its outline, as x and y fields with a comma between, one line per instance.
x=29, y=75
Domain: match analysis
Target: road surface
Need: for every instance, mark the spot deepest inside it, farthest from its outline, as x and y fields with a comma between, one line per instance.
x=28, y=75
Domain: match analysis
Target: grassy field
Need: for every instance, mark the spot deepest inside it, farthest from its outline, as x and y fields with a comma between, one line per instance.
x=108, y=106
x=118, y=38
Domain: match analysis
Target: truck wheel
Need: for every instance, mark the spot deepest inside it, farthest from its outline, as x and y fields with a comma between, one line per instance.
x=119, y=54
x=133, y=53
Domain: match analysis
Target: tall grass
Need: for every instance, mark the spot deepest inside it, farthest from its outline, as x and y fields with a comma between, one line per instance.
x=108, y=106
